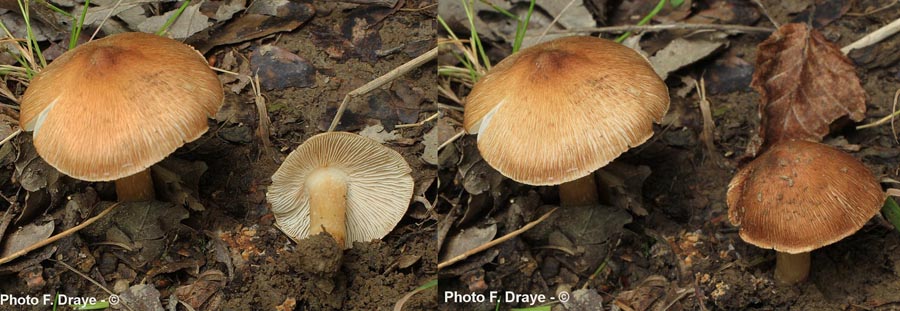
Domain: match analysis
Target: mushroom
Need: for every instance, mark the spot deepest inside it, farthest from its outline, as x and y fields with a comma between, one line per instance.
x=799, y=196
x=554, y=113
x=113, y=107
x=341, y=183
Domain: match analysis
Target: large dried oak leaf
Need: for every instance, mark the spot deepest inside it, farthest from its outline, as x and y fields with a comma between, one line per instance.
x=806, y=83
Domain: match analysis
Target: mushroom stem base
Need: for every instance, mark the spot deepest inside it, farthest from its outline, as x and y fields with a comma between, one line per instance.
x=327, y=188
x=137, y=187
x=791, y=269
x=579, y=192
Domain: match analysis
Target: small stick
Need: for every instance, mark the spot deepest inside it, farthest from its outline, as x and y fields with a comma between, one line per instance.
x=893, y=192
x=555, y=19
x=79, y=273
x=664, y=27
x=420, y=123
x=263, y=113
x=874, y=37
x=11, y=136
x=449, y=141
x=382, y=80
x=57, y=236
x=224, y=71
x=765, y=12
x=495, y=242
x=886, y=118
x=108, y=15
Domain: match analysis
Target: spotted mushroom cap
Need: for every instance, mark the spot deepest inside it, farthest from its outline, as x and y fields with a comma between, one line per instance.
x=379, y=185
x=115, y=106
x=800, y=196
x=560, y=110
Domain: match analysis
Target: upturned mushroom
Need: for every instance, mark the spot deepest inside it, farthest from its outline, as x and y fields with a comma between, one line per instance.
x=554, y=113
x=111, y=108
x=341, y=183
x=799, y=196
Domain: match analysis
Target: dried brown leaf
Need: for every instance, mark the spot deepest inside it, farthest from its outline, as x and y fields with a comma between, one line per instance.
x=805, y=83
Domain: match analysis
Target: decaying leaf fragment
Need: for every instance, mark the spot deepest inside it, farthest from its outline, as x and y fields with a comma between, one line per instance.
x=805, y=83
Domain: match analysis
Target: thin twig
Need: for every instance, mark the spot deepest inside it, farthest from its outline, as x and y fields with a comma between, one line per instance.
x=451, y=140
x=263, y=114
x=555, y=19
x=108, y=15
x=886, y=118
x=450, y=107
x=57, y=236
x=870, y=12
x=665, y=27
x=11, y=136
x=420, y=123
x=79, y=273
x=224, y=71
x=874, y=37
x=493, y=243
x=765, y=12
x=382, y=80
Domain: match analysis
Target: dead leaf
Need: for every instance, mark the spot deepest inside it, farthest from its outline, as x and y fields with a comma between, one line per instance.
x=190, y=22
x=25, y=236
x=109, y=8
x=378, y=133
x=197, y=293
x=584, y=300
x=32, y=172
x=681, y=52
x=654, y=293
x=805, y=83
x=142, y=297
x=254, y=24
x=178, y=182
x=466, y=240
x=430, y=140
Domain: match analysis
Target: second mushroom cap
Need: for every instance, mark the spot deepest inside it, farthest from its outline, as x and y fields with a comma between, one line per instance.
x=800, y=196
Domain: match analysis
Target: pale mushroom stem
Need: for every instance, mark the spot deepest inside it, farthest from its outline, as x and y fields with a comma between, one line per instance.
x=137, y=187
x=791, y=268
x=579, y=192
x=327, y=188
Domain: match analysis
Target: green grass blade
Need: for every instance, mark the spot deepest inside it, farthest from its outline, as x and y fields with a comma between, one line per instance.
x=77, y=25
x=472, y=72
x=165, y=27
x=428, y=285
x=469, y=7
x=57, y=9
x=500, y=10
x=645, y=20
x=538, y=308
x=522, y=27
x=891, y=212
x=32, y=41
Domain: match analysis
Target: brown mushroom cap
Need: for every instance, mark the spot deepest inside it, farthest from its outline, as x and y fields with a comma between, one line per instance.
x=560, y=110
x=800, y=196
x=379, y=185
x=115, y=106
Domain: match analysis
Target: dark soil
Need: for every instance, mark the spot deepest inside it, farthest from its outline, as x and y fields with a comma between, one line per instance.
x=682, y=253
x=230, y=256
